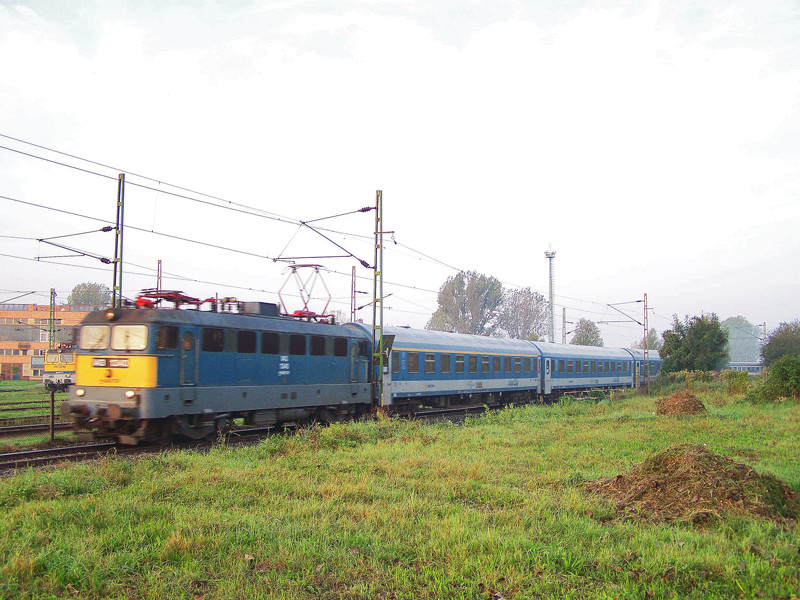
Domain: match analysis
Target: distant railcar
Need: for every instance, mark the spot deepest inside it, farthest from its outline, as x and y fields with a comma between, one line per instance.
x=59, y=368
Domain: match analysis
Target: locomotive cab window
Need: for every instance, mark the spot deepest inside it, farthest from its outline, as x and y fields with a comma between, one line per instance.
x=67, y=357
x=167, y=337
x=246, y=342
x=94, y=337
x=129, y=337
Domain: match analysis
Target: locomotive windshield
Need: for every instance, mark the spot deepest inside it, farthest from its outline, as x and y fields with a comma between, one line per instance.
x=94, y=337
x=129, y=337
x=51, y=356
x=67, y=357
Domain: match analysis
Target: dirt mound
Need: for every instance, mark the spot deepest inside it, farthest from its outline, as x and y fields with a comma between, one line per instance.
x=691, y=484
x=679, y=403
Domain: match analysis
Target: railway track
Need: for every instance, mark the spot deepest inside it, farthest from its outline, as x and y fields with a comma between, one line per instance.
x=17, y=430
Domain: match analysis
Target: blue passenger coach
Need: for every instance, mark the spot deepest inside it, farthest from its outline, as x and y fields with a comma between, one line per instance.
x=437, y=368
x=569, y=367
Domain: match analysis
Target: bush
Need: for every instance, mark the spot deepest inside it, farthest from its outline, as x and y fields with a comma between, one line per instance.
x=783, y=381
x=737, y=381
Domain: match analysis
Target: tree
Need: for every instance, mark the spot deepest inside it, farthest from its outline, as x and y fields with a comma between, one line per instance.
x=743, y=339
x=586, y=334
x=468, y=303
x=94, y=294
x=523, y=314
x=654, y=341
x=784, y=341
x=696, y=344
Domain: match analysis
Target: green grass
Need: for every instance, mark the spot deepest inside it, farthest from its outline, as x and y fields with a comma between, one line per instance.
x=398, y=509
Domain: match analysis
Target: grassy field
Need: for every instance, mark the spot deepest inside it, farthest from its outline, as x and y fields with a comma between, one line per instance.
x=388, y=509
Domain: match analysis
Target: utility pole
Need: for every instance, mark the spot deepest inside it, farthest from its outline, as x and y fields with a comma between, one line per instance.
x=377, y=302
x=116, y=293
x=551, y=333
x=646, y=350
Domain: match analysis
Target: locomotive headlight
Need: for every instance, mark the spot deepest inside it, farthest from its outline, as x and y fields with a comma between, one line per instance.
x=80, y=392
x=130, y=394
x=112, y=314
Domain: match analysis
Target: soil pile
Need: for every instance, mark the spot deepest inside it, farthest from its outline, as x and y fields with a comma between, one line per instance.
x=679, y=403
x=691, y=483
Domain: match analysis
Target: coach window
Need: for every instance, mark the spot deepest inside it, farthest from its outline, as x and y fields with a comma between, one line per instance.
x=586, y=366
x=472, y=362
x=507, y=364
x=561, y=366
x=485, y=366
x=495, y=364
x=363, y=349
x=413, y=362
x=246, y=342
x=297, y=345
x=430, y=362
x=459, y=363
x=444, y=363
x=593, y=367
x=395, y=362
x=270, y=343
x=527, y=367
x=535, y=366
x=211, y=339
x=167, y=337
x=340, y=346
x=317, y=346
x=570, y=368
x=578, y=366
x=517, y=364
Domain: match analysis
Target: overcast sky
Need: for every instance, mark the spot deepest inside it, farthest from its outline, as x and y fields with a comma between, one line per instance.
x=652, y=145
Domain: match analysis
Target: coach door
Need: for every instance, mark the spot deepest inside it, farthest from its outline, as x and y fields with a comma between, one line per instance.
x=188, y=369
x=546, y=376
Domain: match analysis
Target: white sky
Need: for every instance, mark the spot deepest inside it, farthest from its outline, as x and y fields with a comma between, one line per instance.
x=653, y=145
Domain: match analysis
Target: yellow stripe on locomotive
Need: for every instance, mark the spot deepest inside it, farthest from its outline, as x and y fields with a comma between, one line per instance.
x=116, y=371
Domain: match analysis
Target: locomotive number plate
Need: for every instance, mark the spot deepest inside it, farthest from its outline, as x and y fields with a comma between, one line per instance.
x=110, y=363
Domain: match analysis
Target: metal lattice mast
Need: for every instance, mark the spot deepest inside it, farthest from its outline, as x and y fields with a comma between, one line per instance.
x=51, y=328
x=377, y=302
x=116, y=292
x=646, y=349
x=551, y=333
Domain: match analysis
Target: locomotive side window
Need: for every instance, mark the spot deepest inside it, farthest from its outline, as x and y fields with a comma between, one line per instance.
x=430, y=362
x=94, y=337
x=395, y=362
x=212, y=339
x=246, y=342
x=444, y=363
x=413, y=362
x=485, y=366
x=270, y=343
x=230, y=340
x=459, y=363
x=507, y=364
x=340, y=346
x=297, y=345
x=167, y=337
x=495, y=364
x=317, y=347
